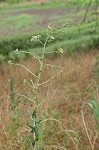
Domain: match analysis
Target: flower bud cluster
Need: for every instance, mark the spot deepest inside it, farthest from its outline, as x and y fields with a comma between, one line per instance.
x=35, y=38
x=17, y=51
x=61, y=50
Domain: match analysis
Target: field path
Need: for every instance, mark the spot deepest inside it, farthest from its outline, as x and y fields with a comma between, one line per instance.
x=49, y=14
x=46, y=17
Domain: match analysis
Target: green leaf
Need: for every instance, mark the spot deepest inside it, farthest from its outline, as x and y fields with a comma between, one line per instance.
x=32, y=128
x=33, y=144
x=94, y=105
x=41, y=129
x=41, y=134
x=34, y=114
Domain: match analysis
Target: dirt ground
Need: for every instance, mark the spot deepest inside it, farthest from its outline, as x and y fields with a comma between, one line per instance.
x=47, y=17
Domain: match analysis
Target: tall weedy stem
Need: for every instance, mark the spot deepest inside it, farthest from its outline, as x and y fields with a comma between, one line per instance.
x=38, y=80
x=12, y=96
x=37, y=125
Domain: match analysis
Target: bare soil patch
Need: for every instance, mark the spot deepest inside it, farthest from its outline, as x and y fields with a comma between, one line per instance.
x=46, y=17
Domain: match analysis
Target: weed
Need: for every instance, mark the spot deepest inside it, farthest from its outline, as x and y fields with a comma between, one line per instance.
x=37, y=119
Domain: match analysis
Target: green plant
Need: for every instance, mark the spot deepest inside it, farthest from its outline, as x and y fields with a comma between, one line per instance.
x=94, y=105
x=13, y=1
x=37, y=120
x=95, y=109
x=12, y=97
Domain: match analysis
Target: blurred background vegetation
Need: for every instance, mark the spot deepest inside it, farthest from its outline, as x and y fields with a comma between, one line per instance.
x=20, y=19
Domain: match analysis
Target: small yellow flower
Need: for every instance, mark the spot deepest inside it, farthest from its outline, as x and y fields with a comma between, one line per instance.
x=17, y=51
x=61, y=50
x=35, y=38
x=38, y=36
x=52, y=38
x=49, y=27
x=9, y=62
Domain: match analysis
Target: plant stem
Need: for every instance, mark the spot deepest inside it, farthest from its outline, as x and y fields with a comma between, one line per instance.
x=38, y=82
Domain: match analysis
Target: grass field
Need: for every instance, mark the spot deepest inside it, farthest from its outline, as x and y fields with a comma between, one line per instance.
x=66, y=96
x=72, y=98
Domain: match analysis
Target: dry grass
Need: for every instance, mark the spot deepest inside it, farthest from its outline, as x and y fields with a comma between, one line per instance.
x=65, y=95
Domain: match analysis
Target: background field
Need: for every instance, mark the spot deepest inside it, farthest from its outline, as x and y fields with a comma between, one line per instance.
x=69, y=97
x=19, y=22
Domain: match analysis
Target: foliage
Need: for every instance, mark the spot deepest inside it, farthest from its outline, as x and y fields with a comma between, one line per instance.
x=94, y=105
x=17, y=22
x=13, y=1
x=84, y=39
x=2, y=58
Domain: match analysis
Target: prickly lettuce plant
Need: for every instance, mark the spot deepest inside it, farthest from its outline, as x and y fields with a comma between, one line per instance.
x=36, y=123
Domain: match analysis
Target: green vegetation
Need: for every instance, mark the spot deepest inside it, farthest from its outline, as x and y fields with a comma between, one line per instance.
x=13, y=1
x=17, y=28
x=51, y=4
x=18, y=22
x=84, y=39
